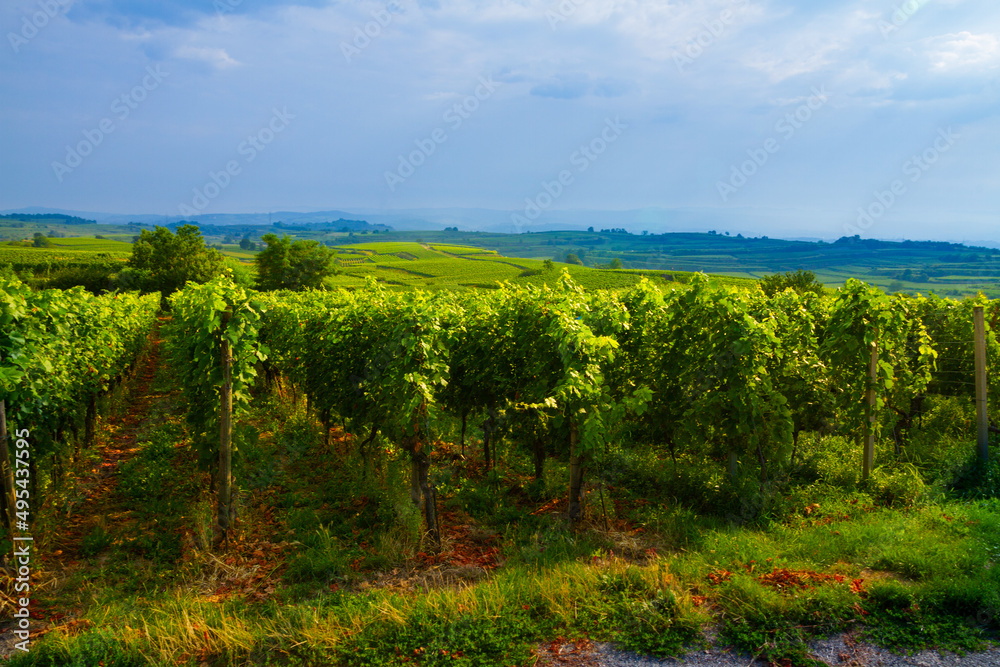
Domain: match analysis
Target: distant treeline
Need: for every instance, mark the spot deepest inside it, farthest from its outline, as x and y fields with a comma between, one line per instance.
x=340, y=225
x=48, y=217
x=929, y=245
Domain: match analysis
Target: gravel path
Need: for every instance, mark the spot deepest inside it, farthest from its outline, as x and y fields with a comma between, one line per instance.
x=837, y=651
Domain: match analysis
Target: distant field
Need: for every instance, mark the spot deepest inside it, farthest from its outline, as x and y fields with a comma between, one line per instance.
x=439, y=259
x=238, y=253
x=93, y=244
x=442, y=266
x=21, y=258
x=947, y=269
x=413, y=250
x=462, y=249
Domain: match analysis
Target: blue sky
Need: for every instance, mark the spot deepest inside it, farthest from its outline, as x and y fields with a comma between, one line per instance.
x=873, y=116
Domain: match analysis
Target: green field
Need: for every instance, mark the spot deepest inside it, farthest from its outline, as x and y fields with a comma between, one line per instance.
x=92, y=244
x=451, y=266
x=943, y=268
x=21, y=258
x=439, y=259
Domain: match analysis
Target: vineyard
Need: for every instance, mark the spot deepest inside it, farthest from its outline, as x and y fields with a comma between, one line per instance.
x=61, y=352
x=445, y=266
x=585, y=450
x=720, y=370
x=21, y=258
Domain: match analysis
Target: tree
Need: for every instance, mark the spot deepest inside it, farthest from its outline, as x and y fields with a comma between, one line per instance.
x=40, y=241
x=295, y=265
x=247, y=244
x=573, y=259
x=166, y=261
x=800, y=281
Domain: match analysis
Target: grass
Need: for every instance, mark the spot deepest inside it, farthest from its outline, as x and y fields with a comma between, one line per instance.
x=657, y=608
x=497, y=622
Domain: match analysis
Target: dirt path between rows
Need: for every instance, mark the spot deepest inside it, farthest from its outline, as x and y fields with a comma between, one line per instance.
x=119, y=437
x=94, y=501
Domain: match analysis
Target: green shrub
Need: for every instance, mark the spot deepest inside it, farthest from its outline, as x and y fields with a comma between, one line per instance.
x=322, y=558
x=896, y=486
x=96, y=541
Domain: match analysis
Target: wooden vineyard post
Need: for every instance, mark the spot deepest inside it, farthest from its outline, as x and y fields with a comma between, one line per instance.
x=225, y=436
x=868, y=462
x=6, y=471
x=575, y=476
x=90, y=421
x=430, y=497
x=982, y=419
x=421, y=490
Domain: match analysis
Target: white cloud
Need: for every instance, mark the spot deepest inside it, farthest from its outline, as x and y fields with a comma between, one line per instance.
x=216, y=57
x=817, y=45
x=963, y=51
x=661, y=29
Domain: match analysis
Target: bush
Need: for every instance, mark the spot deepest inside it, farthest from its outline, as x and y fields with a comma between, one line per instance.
x=976, y=482
x=95, y=278
x=293, y=265
x=800, y=281
x=896, y=486
x=323, y=558
x=171, y=260
x=96, y=541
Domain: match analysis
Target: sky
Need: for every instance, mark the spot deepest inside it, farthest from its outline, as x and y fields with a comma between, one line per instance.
x=840, y=117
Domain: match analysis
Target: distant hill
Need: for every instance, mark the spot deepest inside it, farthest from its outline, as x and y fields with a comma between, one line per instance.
x=43, y=218
x=245, y=229
x=790, y=224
